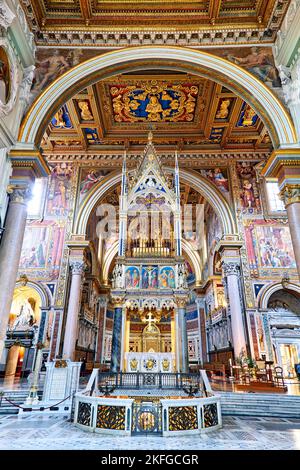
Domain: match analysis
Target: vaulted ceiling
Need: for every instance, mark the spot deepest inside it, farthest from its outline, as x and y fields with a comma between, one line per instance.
x=185, y=111
x=72, y=16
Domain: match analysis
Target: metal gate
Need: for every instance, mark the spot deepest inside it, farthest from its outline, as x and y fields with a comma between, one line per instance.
x=146, y=418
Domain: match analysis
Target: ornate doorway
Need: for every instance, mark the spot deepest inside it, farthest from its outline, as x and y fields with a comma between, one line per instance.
x=146, y=418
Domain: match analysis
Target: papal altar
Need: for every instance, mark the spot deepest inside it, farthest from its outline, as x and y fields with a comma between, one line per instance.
x=149, y=362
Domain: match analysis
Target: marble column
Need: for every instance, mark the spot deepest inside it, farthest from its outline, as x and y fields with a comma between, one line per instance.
x=291, y=197
x=71, y=329
x=10, y=252
x=115, y=364
x=182, y=334
x=232, y=273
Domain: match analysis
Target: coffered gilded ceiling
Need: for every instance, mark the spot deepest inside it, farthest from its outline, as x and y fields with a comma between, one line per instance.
x=79, y=21
x=182, y=110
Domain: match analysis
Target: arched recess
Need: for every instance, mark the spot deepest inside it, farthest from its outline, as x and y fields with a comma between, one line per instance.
x=192, y=256
x=267, y=291
x=212, y=194
x=239, y=80
x=41, y=291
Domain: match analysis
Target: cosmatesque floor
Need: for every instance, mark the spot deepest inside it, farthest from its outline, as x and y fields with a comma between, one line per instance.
x=45, y=432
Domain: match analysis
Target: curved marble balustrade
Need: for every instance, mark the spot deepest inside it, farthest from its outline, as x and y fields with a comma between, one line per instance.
x=124, y=416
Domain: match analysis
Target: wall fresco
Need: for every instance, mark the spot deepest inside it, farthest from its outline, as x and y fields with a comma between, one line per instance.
x=269, y=248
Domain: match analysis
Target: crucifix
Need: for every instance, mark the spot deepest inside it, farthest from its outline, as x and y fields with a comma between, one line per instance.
x=150, y=319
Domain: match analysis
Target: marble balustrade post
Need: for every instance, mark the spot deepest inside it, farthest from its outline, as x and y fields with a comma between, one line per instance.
x=115, y=364
x=10, y=252
x=71, y=329
x=232, y=273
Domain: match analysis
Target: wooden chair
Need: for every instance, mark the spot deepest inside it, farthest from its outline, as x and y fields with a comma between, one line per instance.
x=261, y=373
x=278, y=376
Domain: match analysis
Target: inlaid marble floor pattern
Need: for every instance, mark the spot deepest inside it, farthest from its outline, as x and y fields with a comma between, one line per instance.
x=45, y=432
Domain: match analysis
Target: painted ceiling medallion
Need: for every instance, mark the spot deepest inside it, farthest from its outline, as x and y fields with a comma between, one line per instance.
x=154, y=101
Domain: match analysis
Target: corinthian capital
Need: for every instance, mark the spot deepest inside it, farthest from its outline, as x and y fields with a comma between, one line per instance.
x=231, y=268
x=77, y=267
x=181, y=300
x=290, y=194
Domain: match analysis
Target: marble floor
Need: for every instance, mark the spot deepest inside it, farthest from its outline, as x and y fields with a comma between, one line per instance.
x=49, y=432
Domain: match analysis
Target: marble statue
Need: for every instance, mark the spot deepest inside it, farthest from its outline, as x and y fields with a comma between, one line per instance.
x=118, y=280
x=25, y=318
x=182, y=279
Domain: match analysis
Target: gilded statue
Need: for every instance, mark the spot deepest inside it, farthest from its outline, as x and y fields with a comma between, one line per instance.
x=154, y=109
x=85, y=113
x=165, y=365
x=223, y=110
x=248, y=117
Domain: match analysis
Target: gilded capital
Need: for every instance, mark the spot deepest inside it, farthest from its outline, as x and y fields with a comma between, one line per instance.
x=290, y=194
x=117, y=300
x=181, y=300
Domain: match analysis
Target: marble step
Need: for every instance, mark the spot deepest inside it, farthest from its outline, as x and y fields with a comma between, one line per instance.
x=266, y=405
x=18, y=397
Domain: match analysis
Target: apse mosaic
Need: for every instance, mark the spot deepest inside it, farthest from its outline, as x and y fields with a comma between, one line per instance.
x=154, y=101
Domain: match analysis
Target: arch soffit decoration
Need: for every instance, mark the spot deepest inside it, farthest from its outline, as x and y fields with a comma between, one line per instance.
x=214, y=197
x=267, y=291
x=239, y=80
x=193, y=258
x=41, y=291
